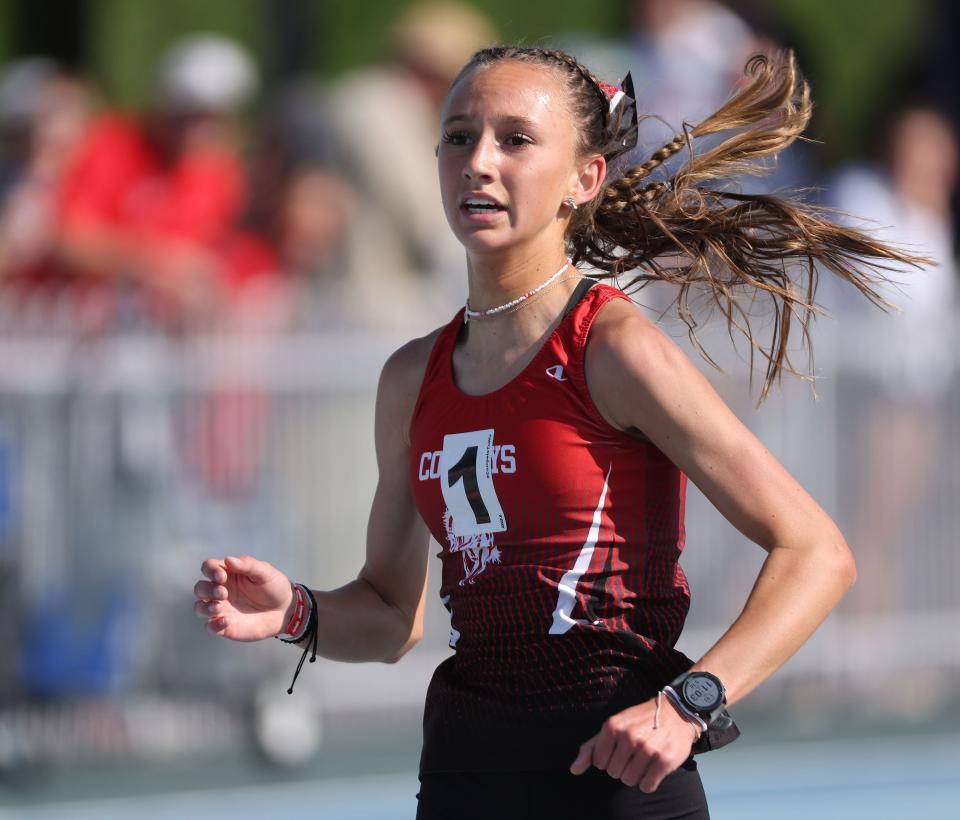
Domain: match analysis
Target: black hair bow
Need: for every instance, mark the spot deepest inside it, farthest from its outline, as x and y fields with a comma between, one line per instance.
x=622, y=116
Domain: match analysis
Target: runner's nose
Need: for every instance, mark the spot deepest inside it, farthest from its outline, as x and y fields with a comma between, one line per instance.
x=480, y=162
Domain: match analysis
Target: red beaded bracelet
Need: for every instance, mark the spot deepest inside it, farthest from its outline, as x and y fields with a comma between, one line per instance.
x=301, y=616
x=303, y=626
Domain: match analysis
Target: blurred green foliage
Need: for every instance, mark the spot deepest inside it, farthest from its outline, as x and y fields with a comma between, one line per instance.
x=852, y=51
x=854, y=54
x=6, y=33
x=357, y=30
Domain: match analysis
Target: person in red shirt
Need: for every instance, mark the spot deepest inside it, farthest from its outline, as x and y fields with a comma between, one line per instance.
x=160, y=201
x=544, y=436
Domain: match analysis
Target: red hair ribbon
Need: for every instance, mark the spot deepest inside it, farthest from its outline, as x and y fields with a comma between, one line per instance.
x=609, y=90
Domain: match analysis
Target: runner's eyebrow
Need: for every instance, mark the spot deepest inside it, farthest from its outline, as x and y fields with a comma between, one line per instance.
x=513, y=120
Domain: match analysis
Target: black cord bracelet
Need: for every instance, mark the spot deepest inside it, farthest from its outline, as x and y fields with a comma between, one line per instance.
x=309, y=638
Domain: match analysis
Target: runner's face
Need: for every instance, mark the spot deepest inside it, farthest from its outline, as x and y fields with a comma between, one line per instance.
x=508, y=145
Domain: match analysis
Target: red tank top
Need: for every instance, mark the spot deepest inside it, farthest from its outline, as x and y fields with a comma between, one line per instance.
x=560, y=538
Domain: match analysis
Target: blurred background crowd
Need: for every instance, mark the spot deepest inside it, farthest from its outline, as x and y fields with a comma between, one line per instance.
x=218, y=218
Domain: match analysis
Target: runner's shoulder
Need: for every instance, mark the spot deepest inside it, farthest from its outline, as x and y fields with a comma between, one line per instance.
x=402, y=376
x=405, y=367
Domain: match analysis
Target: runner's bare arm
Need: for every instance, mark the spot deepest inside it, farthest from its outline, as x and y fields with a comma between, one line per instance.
x=379, y=615
x=640, y=379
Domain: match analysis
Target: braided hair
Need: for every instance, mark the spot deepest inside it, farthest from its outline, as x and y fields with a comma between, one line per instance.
x=686, y=227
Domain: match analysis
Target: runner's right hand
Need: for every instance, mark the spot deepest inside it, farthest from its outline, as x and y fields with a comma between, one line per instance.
x=243, y=599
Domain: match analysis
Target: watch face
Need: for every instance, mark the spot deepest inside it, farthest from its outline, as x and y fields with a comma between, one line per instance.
x=702, y=692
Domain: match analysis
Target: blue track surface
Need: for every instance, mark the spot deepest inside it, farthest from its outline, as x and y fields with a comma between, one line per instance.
x=879, y=779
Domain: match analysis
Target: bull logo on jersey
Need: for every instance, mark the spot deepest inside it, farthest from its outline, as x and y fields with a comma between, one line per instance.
x=476, y=550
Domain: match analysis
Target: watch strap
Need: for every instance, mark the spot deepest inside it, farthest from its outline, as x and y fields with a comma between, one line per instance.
x=721, y=731
x=685, y=712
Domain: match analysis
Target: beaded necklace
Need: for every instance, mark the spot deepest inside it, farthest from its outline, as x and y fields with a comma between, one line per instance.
x=475, y=314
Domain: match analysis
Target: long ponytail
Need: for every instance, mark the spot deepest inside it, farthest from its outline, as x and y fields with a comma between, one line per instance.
x=688, y=228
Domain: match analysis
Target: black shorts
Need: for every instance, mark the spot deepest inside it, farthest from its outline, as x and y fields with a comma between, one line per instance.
x=593, y=795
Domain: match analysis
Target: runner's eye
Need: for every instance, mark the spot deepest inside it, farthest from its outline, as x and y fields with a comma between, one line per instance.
x=518, y=140
x=455, y=137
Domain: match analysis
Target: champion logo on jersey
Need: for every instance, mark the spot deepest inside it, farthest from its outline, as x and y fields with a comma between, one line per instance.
x=557, y=372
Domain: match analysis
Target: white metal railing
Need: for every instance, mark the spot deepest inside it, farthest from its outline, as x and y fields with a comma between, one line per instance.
x=128, y=459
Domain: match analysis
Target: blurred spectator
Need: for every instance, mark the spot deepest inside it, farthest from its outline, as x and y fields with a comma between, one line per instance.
x=688, y=55
x=159, y=202
x=21, y=84
x=309, y=208
x=45, y=115
x=907, y=355
x=315, y=217
x=142, y=216
x=404, y=263
x=939, y=73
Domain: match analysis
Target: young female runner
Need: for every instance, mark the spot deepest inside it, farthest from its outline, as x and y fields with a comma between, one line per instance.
x=544, y=437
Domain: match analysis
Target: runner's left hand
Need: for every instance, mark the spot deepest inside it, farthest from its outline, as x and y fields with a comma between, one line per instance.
x=628, y=748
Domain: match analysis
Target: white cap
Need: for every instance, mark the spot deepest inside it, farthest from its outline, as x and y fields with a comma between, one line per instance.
x=206, y=72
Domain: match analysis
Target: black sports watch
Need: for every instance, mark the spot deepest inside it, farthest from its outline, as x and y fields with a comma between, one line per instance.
x=701, y=693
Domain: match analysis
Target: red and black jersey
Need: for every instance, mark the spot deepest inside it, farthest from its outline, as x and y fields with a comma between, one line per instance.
x=560, y=540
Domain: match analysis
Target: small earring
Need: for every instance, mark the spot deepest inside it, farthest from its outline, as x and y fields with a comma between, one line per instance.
x=570, y=203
